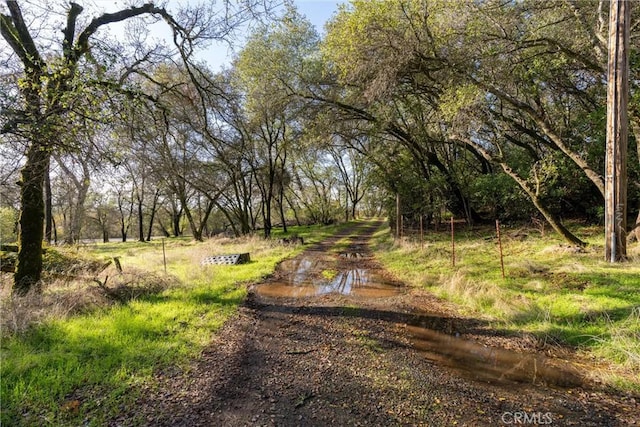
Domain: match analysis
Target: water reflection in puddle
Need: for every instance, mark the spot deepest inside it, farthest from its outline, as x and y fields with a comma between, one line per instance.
x=492, y=364
x=299, y=270
x=317, y=275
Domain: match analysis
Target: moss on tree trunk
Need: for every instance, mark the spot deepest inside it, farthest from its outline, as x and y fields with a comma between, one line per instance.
x=29, y=265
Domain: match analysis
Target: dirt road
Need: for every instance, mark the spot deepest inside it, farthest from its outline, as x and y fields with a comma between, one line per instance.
x=333, y=340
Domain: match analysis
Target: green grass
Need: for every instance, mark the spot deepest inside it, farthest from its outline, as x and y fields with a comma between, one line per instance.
x=311, y=233
x=341, y=245
x=549, y=289
x=63, y=370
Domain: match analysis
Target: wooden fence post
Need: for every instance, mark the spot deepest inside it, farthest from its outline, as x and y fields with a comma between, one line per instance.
x=500, y=247
x=164, y=257
x=453, y=245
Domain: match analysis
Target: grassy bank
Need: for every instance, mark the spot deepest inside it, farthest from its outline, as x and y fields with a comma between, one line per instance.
x=550, y=290
x=74, y=354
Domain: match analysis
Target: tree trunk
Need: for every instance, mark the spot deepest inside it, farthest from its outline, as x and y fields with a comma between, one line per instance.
x=176, y=225
x=459, y=204
x=295, y=211
x=266, y=216
x=76, y=210
x=125, y=220
x=176, y=215
x=244, y=209
x=140, y=220
x=229, y=218
x=165, y=231
x=78, y=214
x=48, y=203
x=346, y=205
x=637, y=225
x=281, y=203
x=29, y=265
x=196, y=229
x=55, y=231
x=266, y=193
x=154, y=208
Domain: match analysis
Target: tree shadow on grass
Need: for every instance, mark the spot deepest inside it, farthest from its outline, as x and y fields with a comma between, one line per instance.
x=586, y=328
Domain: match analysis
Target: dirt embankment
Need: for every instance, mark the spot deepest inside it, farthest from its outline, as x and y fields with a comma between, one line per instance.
x=340, y=344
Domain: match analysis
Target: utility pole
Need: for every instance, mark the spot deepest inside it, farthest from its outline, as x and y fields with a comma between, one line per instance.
x=617, y=132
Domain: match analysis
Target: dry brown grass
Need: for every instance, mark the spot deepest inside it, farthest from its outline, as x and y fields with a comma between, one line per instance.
x=73, y=283
x=68, y=295
x=58, y=300
x=479, y=293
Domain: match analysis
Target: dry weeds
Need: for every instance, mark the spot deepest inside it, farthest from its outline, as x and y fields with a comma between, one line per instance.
x=68, y=295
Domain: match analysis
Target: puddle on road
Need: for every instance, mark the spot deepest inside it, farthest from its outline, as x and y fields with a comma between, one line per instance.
x=494, y=365
x=320, y=275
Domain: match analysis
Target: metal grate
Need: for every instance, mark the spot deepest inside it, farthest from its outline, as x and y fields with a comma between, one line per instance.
x=232, y=259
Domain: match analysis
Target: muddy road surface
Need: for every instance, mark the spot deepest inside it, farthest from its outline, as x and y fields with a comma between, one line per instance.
x=333, y=340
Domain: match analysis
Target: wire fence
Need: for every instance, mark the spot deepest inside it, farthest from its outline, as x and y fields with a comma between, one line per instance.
x=403, y=233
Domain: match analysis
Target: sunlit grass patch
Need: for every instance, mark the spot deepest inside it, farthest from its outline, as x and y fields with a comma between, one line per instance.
x=311, y=233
